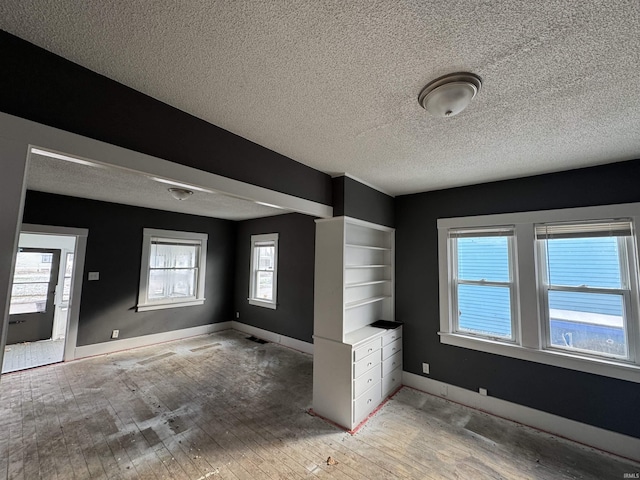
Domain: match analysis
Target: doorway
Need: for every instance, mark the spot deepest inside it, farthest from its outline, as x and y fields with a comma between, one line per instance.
x=47, y=277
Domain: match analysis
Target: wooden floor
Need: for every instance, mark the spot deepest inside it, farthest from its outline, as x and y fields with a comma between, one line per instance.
x=221, y=406
x=20, y=356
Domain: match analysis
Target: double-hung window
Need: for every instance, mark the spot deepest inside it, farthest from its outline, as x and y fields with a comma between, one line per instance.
x=172, y=270
x=482, y=281
x=586, y=293
x=558, y=287
x=263, y=286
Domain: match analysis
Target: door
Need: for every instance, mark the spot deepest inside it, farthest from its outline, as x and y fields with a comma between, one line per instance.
x=33, y=295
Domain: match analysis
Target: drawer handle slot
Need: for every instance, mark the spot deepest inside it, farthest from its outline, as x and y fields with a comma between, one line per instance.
x=369, y=364
x=369, y=401
x=370, y=350
x=370, y=380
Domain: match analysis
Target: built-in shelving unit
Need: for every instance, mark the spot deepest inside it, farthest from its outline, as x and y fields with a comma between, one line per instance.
x=354, y=280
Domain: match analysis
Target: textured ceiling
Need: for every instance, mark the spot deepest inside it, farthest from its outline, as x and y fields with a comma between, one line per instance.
x=112, y=184
x=334, y=84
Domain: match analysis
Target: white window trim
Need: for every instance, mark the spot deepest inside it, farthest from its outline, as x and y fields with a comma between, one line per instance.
x=144, y=304
x=268, y=237
x=531, y=341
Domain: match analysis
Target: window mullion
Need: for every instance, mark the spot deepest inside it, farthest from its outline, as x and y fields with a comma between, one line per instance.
x=527, y=304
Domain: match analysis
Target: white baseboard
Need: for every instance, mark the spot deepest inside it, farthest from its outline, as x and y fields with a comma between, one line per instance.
x=616, y=443
x=146, y=340
x=272, y=337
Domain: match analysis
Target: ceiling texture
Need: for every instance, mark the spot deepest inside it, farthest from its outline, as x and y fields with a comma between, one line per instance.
x=334, y=84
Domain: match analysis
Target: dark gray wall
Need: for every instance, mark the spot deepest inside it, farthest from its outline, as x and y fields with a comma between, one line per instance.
x=592, y=399
x=354, y=199
x=114, y=249
x=43, y=87
x=296, y=253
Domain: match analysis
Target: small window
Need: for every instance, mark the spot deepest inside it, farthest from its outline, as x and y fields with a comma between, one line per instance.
x=584, y=274
x=481, y=283
x=173, y=269
x=264, y=270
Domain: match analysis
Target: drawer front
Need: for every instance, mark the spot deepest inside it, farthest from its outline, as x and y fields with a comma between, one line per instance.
x=366, y=363
x=392, y=348
x=366, y=349
x=392, y=335
x=366, y=381
x=391, y=363
x=391, y=382
x=366, y=403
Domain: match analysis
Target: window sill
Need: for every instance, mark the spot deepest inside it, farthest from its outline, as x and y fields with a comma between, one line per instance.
x=262, y=303
x=160, y=306
x=607, y=368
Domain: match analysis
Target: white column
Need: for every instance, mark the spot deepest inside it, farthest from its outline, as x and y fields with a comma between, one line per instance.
x=13, y=161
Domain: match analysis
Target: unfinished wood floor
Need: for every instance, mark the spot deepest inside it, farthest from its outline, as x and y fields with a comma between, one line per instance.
x=221, y=406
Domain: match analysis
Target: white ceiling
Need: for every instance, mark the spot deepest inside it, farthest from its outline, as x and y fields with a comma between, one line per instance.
x=334, y=84
x=113, y=184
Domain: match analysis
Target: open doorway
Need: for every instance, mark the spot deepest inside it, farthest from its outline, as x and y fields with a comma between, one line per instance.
x=41, y=308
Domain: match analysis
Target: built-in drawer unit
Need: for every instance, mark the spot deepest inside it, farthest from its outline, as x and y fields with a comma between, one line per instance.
x=366, y=349
x=366, y=380
x=391, y=363
x=366, y=403
x=392, y=348
x=391, y=335
x=366, y=363
x=391, y=382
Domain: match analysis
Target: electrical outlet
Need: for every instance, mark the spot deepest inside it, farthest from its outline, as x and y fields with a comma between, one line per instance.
x=115, y=334
x=425, y=368
x=94, y=276
x=482, y=391
x=237, y=314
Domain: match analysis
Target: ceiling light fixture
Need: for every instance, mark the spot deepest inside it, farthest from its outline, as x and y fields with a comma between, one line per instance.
x=180, y=193
x=180, y=184
x=449, y=95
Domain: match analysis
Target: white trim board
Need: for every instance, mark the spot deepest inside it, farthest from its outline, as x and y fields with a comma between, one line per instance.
x=272, y=337
x=605, y=440
x=147, y=340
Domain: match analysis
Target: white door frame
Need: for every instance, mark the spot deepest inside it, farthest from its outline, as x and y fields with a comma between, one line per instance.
x=80, y=235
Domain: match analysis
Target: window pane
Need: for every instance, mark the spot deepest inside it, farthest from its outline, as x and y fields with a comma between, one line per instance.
x=28, y=298
x=591, y=322
x=592, y=262
x=178, y=283
x=485, y=310
x=173, y=256
x=483, y=258
x=266, y=257
x=264, y=286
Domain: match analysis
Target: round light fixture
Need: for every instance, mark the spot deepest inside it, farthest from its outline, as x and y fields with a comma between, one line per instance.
x=180, y=193
x=449, y=95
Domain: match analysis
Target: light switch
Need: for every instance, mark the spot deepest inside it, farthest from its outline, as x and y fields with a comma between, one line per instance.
x=94, y=275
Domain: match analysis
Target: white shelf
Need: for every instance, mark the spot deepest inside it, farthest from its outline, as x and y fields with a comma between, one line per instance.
x=366, y=266
x=365, y=301
x=368, y=247
x=362, y=284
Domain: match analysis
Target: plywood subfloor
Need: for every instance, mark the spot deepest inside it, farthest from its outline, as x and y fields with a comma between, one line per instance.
x=221, y=406
x=20, y=356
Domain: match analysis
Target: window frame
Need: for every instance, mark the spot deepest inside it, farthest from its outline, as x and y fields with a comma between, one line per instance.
x=148, y=236
x=457, y=233
x=531, y=343
x=256, y=240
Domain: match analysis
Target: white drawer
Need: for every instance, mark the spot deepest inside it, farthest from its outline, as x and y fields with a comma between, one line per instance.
x=392, y=348
x=392, y=335
x=391, y=363
x=391, y=382
x=366, y=380
x=366, y=363
x=366, y=403
x=366, y=349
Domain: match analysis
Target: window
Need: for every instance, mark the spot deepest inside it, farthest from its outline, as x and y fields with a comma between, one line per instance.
x=482, y=282
x=558, y=287
x=264, y=270
x=173, y=269
x=586, y=296
x=66, y=284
